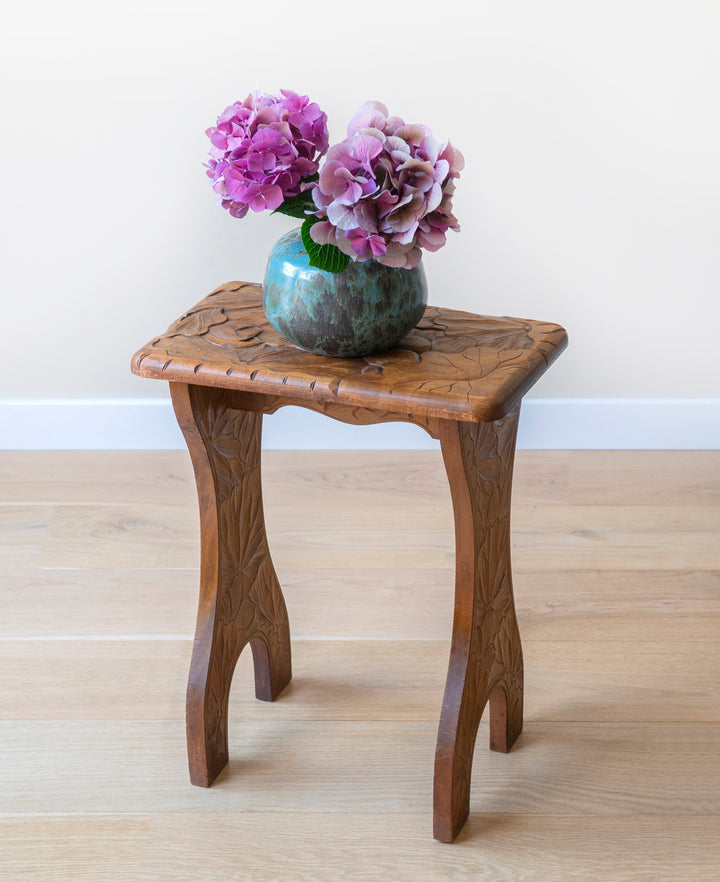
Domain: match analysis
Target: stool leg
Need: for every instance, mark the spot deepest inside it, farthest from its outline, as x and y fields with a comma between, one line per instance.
x=240, y=598
x=486, y=655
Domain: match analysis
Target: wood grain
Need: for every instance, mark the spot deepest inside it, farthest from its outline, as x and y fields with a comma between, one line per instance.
x=352, y=414
x=677, y=537
x=552, y=478
x=614, y=778
x=102, y=477
x=298, y=846
x=453, y=365
x=584, y=769
x=241, y=601
x=97, y=601
x=361, y=680
x=222, y=428
x=23, y=532
x=632, y=606
x=486, y=662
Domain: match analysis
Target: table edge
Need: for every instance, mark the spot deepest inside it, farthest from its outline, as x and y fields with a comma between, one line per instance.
x=147, y=364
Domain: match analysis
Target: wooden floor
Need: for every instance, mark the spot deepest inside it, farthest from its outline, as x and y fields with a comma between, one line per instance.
x=617, y=584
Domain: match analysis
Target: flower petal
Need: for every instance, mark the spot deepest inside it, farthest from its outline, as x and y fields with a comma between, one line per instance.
x=341, y=216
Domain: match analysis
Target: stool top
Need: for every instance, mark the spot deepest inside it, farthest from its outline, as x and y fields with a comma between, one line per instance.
x=453, y=365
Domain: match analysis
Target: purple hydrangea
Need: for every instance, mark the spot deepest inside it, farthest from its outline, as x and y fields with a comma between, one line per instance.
x=263, y=148
x=386, y=190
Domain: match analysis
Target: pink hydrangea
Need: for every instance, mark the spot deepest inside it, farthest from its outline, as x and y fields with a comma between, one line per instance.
x=263, y=149
x=385, y=192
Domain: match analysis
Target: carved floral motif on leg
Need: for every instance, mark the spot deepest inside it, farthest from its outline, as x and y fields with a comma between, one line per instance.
x=240, y=598
x=486, y=654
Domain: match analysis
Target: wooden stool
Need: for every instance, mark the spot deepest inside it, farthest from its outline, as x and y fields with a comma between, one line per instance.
x=460, y=377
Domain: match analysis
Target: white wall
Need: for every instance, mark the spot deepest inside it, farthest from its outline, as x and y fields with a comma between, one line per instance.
x=591, y=194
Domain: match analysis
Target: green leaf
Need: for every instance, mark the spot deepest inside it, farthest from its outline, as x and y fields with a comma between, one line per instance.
x=325, y=257
x=298, y=206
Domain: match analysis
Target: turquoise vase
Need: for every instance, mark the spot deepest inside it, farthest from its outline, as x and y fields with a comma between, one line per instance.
x=363, y=310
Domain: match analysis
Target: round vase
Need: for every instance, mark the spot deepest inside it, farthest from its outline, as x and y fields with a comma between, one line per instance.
x=363, y=310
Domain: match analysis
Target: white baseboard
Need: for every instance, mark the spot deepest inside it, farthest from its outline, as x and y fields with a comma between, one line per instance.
x=546, y=423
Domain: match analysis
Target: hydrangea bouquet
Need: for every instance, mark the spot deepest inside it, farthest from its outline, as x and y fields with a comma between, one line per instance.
x=383, y=193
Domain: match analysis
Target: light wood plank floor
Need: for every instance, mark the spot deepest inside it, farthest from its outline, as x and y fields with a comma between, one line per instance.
x=617, y=583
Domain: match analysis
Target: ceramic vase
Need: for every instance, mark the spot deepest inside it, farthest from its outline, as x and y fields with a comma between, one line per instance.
x=363, y=310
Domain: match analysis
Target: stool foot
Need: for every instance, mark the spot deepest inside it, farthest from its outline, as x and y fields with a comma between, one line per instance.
x=506, y=712
x=273, y=672
x=486, y=654
x=241, y=600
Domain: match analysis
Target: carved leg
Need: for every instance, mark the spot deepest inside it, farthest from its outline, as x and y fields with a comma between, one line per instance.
x=486, y=656
x=240, y=599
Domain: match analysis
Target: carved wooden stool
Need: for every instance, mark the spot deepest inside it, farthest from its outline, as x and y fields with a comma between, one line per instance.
x=460, y=377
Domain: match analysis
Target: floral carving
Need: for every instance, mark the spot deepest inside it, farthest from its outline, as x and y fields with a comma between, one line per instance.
x=486, y=656
x=454, y=364
x=241, y=600
x=458, y=376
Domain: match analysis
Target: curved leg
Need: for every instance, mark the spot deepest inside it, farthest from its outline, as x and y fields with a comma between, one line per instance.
x=485, y=656
x=240, y=599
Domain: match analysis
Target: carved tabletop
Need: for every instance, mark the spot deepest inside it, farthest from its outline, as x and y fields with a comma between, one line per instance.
x=457, y=375
x=454, y=364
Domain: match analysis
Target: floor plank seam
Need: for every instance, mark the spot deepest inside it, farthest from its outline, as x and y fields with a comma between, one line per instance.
x=617, y=578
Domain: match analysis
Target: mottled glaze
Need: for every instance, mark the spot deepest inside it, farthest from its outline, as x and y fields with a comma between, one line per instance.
x=363, y=310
